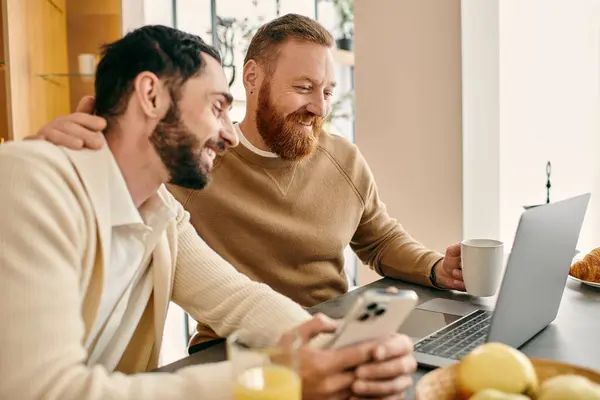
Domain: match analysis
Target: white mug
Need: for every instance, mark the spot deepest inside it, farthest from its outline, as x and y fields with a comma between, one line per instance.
x=482, y=266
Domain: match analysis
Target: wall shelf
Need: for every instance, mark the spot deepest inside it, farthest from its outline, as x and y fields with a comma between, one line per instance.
x=65, y=75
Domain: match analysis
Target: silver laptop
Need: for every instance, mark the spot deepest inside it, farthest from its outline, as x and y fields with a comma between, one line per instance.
x=531, y=290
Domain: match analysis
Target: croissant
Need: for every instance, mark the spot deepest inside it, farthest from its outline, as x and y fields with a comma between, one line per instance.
x=588, y=269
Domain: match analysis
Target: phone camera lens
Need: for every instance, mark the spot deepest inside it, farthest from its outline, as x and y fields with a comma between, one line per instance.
x=372, y=306
x=380, y=311
x=364, y=317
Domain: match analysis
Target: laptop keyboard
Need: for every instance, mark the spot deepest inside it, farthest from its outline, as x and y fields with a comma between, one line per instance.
x=459, y=338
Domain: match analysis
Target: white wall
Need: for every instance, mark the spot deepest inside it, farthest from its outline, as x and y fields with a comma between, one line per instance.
x=481, y=133
x=530, y=95
x=158, y=12
x=530, y=74
x=193, y=16
x=549, y=67
x=133, y=14
x=409, y=113
x=137, y=13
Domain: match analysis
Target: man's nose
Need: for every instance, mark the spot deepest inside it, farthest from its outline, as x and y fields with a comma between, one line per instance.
x=318, y=106
x=229, y=135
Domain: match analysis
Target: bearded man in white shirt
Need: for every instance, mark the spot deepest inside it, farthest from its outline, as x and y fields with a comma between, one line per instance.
x=93, y=247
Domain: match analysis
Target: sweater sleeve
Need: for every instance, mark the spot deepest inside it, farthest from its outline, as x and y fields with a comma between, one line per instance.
x=42, y=238
x=214, y=292
x=382, y=243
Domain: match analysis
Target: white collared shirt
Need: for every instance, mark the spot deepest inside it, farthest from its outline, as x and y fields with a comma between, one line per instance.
x=128, y=281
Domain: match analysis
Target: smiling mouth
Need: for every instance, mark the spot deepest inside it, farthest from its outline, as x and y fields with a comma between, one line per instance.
x=305, y=123
x=210, y=153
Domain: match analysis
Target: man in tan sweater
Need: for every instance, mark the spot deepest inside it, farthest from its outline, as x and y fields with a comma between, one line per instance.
x=93, y=247
x=286, y=202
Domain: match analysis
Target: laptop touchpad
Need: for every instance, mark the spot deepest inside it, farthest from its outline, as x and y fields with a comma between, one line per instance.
x=434, y=315
x=448, y=306
x=421, y=323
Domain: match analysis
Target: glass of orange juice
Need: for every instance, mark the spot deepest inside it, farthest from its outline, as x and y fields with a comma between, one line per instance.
x=264, y=372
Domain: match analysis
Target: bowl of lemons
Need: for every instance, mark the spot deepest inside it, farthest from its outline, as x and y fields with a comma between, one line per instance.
x=494, y=371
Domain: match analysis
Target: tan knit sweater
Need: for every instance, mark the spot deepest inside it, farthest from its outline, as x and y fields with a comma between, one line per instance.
x=54, y=237
x=287, y=223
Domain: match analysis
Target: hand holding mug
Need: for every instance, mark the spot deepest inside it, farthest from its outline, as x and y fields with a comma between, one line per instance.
x=448, y=273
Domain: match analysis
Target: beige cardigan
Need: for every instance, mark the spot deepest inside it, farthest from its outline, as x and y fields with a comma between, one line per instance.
x=54, y=238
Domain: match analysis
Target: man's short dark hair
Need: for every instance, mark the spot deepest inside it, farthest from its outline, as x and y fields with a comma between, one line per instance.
x=172, y=55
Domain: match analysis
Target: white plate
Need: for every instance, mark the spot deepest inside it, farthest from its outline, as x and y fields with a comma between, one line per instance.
x=594, y=284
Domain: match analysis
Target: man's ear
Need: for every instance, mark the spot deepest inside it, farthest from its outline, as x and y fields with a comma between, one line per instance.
x=252, y=76
x=151, y=95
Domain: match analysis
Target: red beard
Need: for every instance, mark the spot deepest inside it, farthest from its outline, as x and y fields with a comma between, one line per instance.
x=282, y=134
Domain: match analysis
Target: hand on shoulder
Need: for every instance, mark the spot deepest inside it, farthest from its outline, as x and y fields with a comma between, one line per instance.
x=78, y=130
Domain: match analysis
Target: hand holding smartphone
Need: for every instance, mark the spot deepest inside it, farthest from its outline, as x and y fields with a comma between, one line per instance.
x=376, y=313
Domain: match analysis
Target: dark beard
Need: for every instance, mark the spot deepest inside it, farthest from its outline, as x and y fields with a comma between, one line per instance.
x=280, y=133
x=180, y=151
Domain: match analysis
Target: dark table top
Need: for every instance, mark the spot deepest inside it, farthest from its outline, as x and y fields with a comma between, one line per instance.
x=572, y=337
